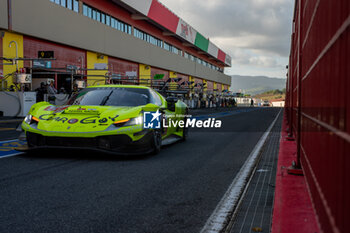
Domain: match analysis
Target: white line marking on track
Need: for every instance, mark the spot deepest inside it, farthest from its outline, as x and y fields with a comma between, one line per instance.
x=12, y=140
x=6, y=156
x=223, y=211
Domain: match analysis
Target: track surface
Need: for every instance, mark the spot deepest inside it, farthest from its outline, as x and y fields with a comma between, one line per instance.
x=174, y=191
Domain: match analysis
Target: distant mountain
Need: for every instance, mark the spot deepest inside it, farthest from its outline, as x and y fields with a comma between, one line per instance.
x=256, y=84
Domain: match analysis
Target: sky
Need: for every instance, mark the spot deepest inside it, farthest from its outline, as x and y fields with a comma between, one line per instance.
x=255, y=33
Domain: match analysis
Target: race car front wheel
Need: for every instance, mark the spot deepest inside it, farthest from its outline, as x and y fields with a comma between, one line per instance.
x=156, y=142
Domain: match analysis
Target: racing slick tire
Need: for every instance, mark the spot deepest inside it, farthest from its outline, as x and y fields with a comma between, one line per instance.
x=184, y=131
x=156, y=141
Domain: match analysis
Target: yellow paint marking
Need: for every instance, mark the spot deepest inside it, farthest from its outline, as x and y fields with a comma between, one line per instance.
x=12, y=144
x=9, y=146
x=6, y=148
x=7, y=129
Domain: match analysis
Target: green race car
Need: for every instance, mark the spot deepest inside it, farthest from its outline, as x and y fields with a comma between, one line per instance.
x=122, y=119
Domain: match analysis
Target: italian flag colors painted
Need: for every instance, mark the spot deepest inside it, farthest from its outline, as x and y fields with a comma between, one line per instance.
x=160, y=14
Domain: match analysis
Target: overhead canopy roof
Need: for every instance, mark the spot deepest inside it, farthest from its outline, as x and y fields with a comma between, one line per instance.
x=161, y=15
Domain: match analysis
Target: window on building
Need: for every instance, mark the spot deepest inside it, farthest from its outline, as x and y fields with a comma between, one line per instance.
x=76, y=5
x=175, y=50
x=112, y=22
x=94, y=14
x=103, y=18
x=98, y=16
x=122, y=27
x=146, y=37
x=85, y=10
x=63, y=3
x=166, y=46
x=89, y=12
x=119, y=26
x=70, y=4
x=186, y=55
x=108, y=20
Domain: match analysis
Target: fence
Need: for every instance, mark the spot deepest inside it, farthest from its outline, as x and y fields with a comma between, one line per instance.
x=318, y=105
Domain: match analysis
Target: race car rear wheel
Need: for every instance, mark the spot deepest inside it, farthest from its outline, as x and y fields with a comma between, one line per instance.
x=156, y=142
x=184, y=131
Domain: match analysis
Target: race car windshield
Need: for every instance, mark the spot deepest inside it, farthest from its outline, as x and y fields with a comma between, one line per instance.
x=129, y=97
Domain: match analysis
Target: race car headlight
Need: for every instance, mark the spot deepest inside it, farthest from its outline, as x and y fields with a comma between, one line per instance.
x=29, y=119
x=135, y=121
x=129, y=122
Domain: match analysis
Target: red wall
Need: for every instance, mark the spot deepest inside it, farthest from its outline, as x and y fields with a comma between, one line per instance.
x=108, y=7
x=210, y=85
x=221, y=56
x=119, y=66
x=64, y=55
x=219, y=86
x=198, y=80
x=162, y=15
x=318, y=106
x=185, y=78
x=155, y=71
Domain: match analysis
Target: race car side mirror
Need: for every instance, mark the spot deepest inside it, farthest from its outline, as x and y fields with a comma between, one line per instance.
x=171, y=103
x=150, y=108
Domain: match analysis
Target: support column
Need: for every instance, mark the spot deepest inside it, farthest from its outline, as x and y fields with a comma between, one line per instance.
x=96, y=61
x=10, y=52
x=145, y=78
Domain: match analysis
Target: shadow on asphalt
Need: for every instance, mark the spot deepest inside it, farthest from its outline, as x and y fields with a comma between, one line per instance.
x=82, y=155
x=78, y=154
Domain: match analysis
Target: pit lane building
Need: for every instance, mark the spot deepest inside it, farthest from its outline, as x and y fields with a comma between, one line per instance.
x=67, y=40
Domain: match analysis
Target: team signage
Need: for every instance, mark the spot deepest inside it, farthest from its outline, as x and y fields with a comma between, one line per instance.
x=46, y=54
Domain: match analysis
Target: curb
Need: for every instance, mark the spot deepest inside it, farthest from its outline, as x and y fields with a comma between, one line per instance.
x=224, y=212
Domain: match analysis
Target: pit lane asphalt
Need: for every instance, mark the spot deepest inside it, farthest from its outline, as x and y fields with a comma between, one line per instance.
x=174, y=191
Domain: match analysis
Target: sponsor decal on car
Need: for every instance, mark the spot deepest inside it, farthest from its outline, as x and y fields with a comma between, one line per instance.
x=73, y=121
x=55, y=109
x=87, y=120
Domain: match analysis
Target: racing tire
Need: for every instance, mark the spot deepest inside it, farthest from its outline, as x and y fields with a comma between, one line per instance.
x=156, y=141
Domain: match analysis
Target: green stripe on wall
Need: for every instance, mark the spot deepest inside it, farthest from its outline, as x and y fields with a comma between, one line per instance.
x=201, y=42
